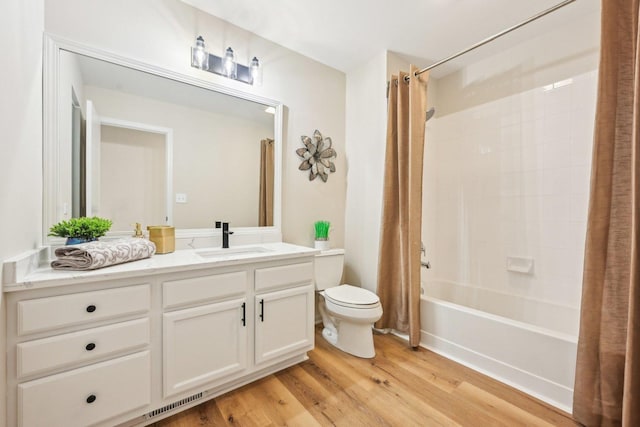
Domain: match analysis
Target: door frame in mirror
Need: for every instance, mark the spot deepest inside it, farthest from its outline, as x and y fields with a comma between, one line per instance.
x=167, y=136
x=54, y=209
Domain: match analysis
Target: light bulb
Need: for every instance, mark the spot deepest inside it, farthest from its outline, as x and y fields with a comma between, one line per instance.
x=256, y=72
x=229, y=64
x=200, y=55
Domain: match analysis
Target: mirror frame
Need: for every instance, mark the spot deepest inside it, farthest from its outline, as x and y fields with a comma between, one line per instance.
x=53, y=212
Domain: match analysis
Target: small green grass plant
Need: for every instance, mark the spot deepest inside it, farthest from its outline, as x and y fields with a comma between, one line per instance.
x=322, y=230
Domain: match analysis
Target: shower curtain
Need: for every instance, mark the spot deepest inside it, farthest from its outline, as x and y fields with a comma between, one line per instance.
x=265, y=209
x=607, y=386
x=399, y=265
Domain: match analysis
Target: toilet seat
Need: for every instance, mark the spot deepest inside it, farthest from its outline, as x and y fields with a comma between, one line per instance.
x=352, y=297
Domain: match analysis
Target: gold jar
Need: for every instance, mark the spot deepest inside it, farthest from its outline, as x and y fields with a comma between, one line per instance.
x=164, y=236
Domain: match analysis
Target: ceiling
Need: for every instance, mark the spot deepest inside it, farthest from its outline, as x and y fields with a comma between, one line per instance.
x=345, y=33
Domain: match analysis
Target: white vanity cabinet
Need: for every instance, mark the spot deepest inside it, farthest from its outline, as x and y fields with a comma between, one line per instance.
x=207, y=343
x=134, y=346
x=284, y=311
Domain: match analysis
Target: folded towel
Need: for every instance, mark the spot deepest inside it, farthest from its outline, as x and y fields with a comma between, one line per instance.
x=92, y=255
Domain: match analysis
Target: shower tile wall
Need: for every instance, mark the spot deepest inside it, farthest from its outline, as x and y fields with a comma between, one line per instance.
x=510, y=177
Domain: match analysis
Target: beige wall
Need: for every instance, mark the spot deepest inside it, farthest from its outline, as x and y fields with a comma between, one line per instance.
x=216, y=158
x=161, y=33
x=21, y=26
x=366, y=124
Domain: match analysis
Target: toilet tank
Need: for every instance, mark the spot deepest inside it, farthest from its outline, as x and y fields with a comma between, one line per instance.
x=328, y=268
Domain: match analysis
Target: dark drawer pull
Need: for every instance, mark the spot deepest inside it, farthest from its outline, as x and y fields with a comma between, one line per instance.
x=244, y=314
x=91, y=398
x=262, y=310
x=90, y=346
x=91, y=308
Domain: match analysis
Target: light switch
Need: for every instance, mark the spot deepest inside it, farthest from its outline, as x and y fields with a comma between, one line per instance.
x=181, y=197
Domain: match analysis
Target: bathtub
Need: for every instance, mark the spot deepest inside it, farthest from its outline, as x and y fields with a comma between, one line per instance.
x=536, y=356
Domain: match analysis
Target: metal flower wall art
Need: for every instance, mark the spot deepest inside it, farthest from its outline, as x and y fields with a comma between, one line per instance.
x=317, y=156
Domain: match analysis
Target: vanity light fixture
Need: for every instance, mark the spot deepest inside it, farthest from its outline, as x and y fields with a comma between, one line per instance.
x=200, y=54
x=230, y=67
x=225, y=66
x=256, y=72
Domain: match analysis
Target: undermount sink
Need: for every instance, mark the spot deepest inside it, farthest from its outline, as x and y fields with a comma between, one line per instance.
x=221, y=253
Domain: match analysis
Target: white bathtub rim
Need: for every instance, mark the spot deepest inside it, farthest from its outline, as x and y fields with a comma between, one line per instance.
x=517, y=323
x=424, y=282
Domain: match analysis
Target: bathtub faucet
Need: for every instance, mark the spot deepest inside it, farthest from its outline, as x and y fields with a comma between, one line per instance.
x=425, y=264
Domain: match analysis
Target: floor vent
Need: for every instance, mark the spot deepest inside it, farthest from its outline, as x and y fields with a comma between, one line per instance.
x=174, y=405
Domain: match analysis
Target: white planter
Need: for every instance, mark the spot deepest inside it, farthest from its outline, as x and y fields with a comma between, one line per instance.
x=323, y=245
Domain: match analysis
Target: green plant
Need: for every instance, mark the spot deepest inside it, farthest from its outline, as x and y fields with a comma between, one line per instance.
x=322, y=230
x=83, y=228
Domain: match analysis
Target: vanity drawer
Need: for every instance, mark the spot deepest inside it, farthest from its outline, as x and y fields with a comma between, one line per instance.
x=45, y=314
x=88, y=395
x=284, y=276
x=203, y=289
x=47, y=354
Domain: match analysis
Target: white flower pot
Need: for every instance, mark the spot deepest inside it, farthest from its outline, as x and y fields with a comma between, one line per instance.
x=323, y=245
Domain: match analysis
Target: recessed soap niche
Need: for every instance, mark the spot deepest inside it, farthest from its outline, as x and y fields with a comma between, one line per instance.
x=520, y=264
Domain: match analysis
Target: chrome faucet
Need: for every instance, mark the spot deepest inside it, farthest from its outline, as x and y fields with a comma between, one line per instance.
x=225, y=233
x=426, y=264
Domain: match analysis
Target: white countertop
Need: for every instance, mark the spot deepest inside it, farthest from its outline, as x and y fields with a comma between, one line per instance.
x=180, y=260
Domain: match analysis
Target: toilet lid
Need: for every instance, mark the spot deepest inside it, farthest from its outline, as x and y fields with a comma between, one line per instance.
x=347, y=294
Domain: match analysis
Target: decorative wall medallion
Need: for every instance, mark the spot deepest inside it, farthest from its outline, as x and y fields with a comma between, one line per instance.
x=317, y=156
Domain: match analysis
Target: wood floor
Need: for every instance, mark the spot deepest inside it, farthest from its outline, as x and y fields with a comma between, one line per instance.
x=399, y=387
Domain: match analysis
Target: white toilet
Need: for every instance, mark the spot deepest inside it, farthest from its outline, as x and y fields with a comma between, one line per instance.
x=348, y=312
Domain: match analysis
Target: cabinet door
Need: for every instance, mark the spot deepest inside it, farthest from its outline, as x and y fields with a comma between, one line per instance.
x=203, y=344
x=284, y=323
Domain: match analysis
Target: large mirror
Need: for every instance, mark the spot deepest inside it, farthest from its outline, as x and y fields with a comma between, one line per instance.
x=134, y=143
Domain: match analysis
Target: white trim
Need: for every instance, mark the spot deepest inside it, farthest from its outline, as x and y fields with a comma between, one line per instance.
x=51, y=211
x=277, y=168
x=50, y=139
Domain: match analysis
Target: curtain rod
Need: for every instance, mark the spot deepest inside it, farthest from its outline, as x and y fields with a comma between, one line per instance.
x=493, y=37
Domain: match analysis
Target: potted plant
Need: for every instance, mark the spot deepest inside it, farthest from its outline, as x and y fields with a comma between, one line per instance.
x=322, y=235
x=81, y=230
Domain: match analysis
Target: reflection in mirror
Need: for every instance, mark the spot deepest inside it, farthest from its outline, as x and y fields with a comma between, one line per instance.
x=143, y=153
x=136, y=147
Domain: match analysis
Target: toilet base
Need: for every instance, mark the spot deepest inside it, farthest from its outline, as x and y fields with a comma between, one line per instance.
x=353, y=338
